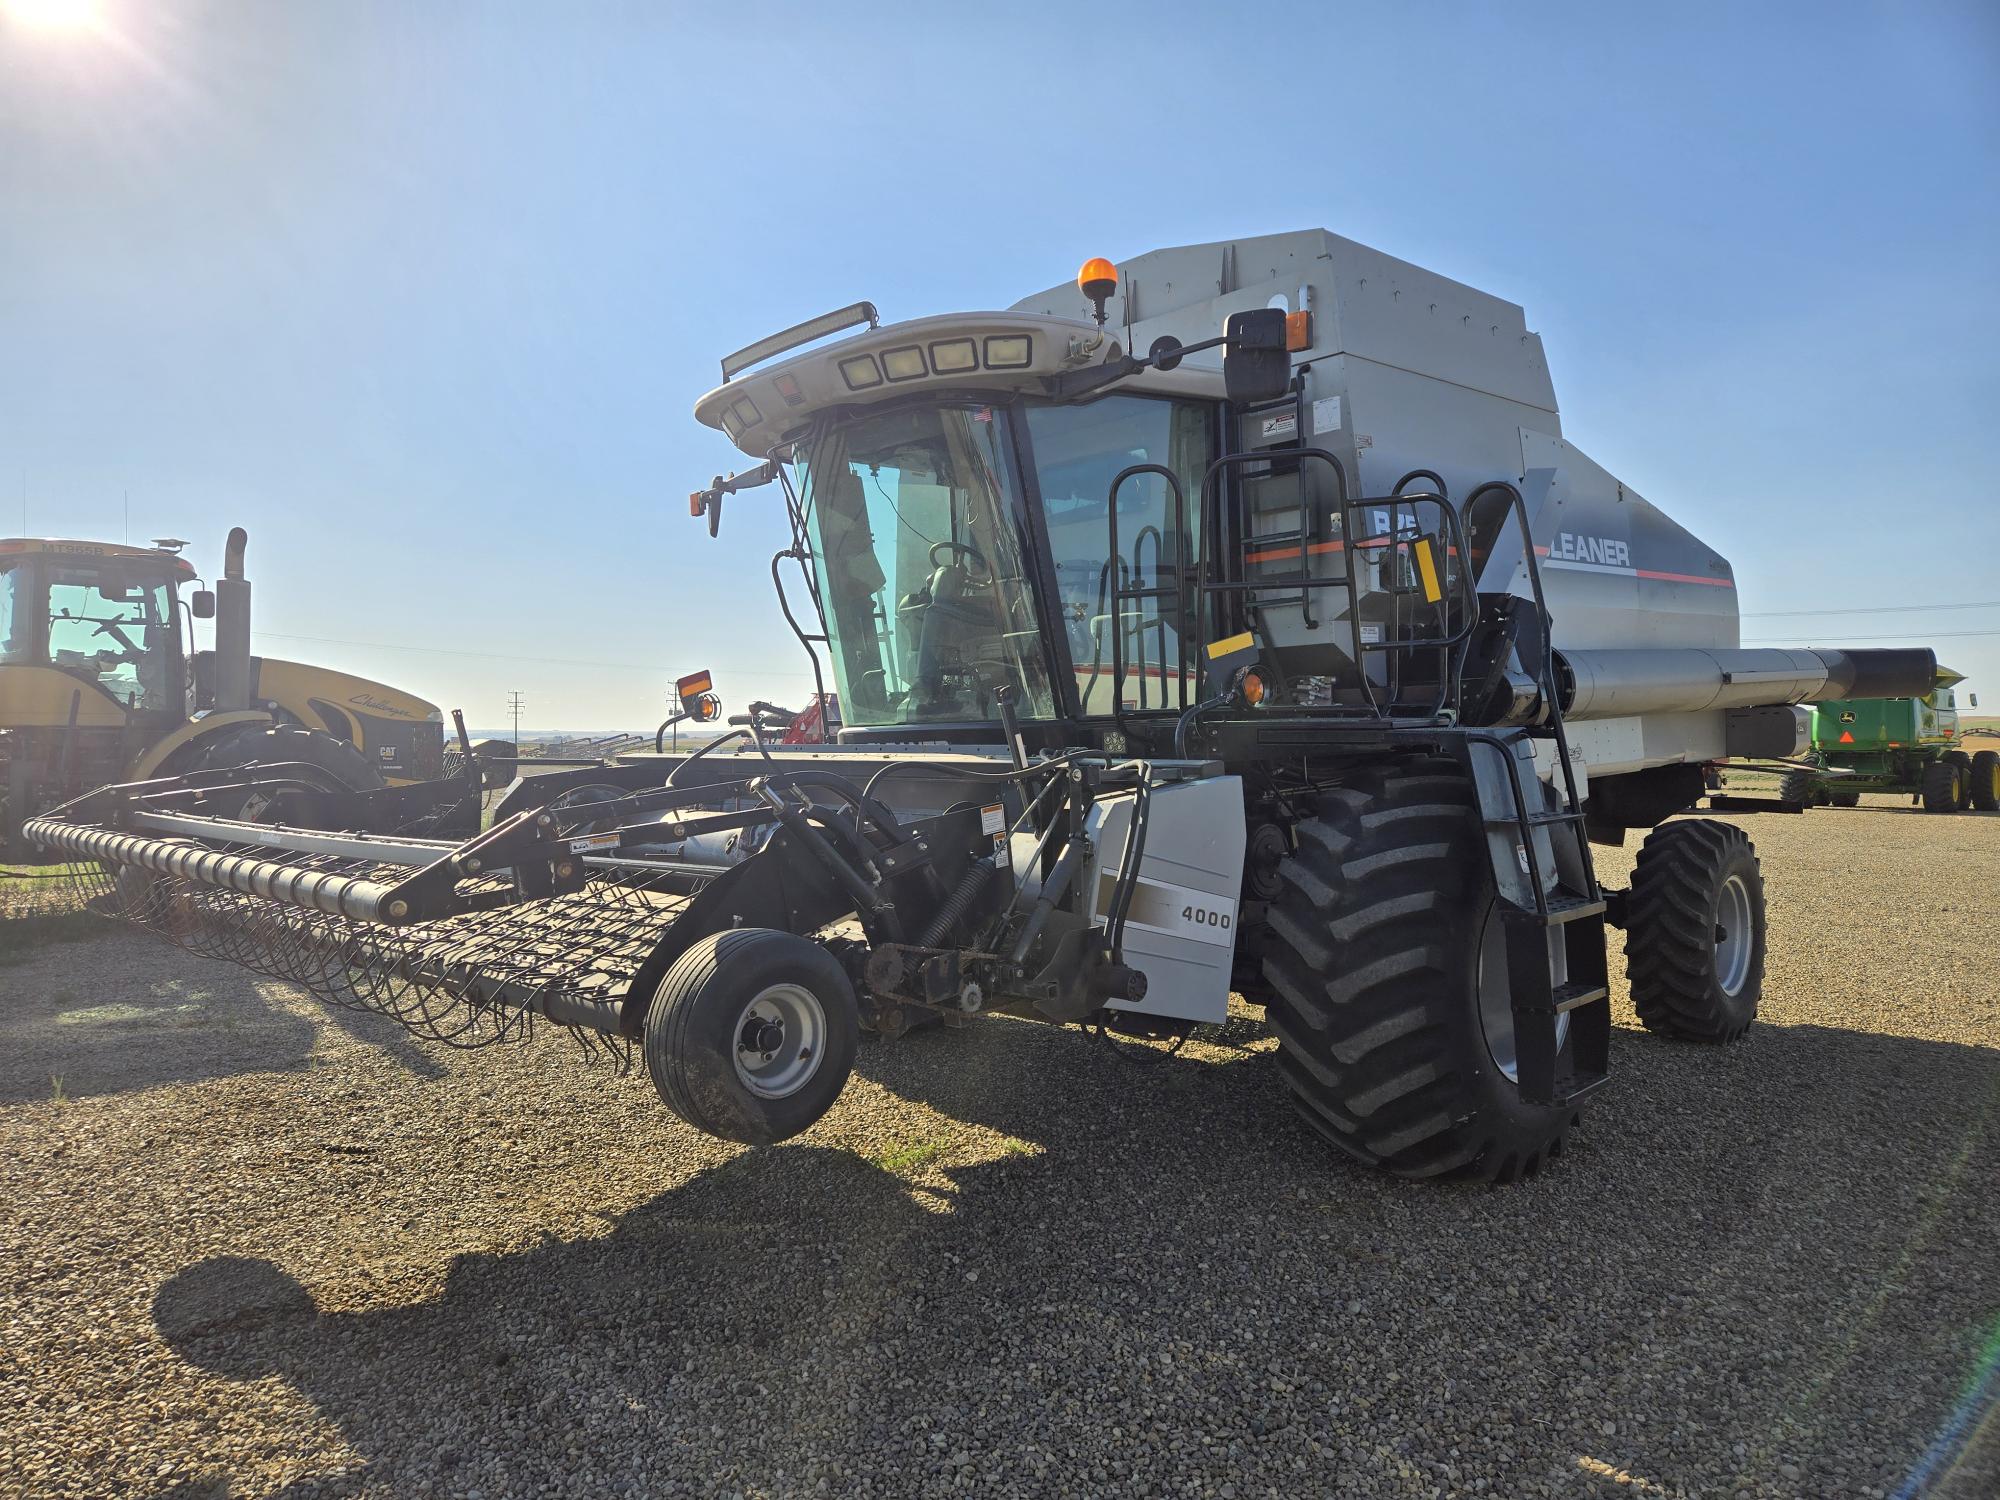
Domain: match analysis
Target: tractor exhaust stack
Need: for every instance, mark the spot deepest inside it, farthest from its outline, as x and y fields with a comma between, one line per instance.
x=232, y=626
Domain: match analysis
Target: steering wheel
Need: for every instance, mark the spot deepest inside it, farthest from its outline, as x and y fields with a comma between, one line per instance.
x=115, y=630
x=970, y=554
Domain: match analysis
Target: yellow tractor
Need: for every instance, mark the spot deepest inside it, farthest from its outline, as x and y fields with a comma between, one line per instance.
x=99, y=682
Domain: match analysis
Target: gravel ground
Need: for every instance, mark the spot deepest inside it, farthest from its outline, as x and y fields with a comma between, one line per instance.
x=253, y=1249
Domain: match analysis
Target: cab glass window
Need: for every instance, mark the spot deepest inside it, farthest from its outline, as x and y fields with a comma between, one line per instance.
x=116, y=633
x=16, y=639
x=1078, y=451
x=915, y=520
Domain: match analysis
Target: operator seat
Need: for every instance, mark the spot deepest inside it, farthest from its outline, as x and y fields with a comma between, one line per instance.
x=951, y=612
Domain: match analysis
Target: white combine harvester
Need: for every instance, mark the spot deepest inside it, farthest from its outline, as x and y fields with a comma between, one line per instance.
x=1236, y=619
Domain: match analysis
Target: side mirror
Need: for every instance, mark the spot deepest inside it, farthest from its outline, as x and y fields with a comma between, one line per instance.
x=201, y=604
x=1255, y=363
x=1975, y=700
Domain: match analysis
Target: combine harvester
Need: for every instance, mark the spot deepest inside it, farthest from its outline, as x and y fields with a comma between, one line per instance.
x=1237, y=619
x=1911, y=746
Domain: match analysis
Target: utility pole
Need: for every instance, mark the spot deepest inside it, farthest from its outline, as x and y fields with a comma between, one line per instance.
x=514, y=703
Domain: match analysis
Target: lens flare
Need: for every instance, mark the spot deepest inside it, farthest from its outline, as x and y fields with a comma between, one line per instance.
x=51, y=15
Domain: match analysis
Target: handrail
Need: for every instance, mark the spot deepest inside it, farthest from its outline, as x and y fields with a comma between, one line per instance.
x=1119, y=594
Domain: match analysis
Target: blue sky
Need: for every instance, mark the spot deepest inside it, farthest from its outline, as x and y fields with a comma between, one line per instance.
x=423, y=293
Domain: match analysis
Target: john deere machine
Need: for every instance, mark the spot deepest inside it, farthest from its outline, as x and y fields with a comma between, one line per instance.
x=99, y=682
x=1908, y=746
x=1237, y=619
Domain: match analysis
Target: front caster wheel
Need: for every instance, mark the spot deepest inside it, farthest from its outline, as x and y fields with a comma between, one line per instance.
x=1694, y=931
x=751, y=1034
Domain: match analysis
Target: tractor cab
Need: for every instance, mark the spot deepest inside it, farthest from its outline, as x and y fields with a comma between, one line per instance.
x=91, y=633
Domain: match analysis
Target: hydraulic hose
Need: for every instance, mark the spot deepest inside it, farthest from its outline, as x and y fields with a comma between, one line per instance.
x=720, y=739
x=1053, y=763
x=874, y=811
x=1128, y=874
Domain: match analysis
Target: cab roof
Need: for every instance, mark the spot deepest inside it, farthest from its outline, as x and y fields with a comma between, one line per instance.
x=35, y=546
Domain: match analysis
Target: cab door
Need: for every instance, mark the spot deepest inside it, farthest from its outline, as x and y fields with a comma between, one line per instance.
x=1124, y=592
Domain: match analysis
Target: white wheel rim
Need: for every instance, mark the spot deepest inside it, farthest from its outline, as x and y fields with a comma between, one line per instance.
x=780, y=1038
x=1733, y=935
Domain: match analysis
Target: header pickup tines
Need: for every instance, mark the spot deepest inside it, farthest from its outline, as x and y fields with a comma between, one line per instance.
x=802, y=333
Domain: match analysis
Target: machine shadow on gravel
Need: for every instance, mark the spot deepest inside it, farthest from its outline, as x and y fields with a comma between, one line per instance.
x=1124, y=1232
x=188, y=1022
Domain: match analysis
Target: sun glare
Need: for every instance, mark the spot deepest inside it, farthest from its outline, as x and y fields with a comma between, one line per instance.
x=51, y=15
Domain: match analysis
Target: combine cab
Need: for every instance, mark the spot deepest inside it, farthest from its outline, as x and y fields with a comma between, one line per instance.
x=1238, y=621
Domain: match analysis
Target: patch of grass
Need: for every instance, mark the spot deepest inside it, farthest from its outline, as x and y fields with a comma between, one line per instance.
x=1015, y=1146
x=910, y=1158
x=56, y=1093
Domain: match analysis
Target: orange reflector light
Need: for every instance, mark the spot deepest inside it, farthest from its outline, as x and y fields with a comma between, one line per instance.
x=1298, y=332
x=1846, y=737
x=1253, y=688
x=694, y=684
x=697, y=504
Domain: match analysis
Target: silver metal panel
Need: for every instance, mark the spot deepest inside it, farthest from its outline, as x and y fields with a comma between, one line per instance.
x=1182, y=930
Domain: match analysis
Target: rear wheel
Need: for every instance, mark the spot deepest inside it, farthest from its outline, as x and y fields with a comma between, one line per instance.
x=1964, y=763
x=752, y=1034
x=1694, y=931
x=1798, y=787
x=1986, y=781
x=1943, y=786
x=1388, y=983
x=1844, y=799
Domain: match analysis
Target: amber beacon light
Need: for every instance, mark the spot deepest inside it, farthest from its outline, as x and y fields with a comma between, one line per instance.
x=1098, y=280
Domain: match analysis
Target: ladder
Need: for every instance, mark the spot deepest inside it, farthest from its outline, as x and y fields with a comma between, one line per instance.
x=1562, y=1025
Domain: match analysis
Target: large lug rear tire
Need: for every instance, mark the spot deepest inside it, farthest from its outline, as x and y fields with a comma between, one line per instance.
x=1943, y=786
x=752, y=1034
x=1374, y=963
x=1800, y=788
x=1694, y=931
x=1844, y=799
x=1986, y=781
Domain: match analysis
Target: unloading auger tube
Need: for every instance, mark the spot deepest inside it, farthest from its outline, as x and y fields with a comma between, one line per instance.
x=1300, y=657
